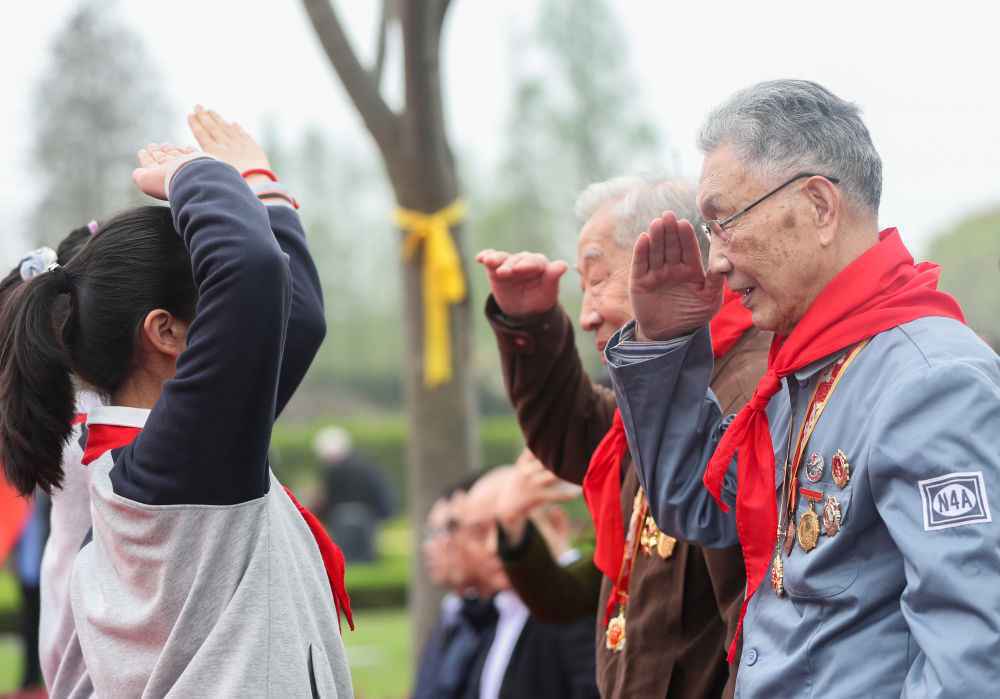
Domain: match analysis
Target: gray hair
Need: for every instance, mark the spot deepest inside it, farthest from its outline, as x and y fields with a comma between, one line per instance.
x=637, y=200
x=785, y=125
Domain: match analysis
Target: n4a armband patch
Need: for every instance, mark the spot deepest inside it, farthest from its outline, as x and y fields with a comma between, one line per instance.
x=954, y=500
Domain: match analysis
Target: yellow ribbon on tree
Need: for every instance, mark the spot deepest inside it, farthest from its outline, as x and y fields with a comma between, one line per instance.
x=443, y=283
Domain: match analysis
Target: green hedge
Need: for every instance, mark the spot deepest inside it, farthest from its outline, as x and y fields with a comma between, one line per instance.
x=382, y=439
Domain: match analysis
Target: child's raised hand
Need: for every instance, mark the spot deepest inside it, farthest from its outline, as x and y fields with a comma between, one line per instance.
x=226, y=141
x=157, y=164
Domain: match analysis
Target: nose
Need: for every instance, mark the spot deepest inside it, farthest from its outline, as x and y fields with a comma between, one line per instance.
x=590, y=318
x=718, y=263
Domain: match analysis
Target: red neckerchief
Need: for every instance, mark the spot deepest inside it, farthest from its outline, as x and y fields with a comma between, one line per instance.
x=333, y=560
x=602, y=484
x=878, y=291
x=102, y=438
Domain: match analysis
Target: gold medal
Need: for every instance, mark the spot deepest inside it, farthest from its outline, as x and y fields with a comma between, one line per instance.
x=649, y=538
x=778, y=575
x=665, y=546
x=614, y=637
x=807, y=531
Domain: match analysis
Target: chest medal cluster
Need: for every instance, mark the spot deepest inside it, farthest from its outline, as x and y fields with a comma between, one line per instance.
x=811, y=523
x=643, y=537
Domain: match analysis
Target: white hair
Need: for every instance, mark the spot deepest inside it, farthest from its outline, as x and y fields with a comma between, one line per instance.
x=783, y=127
x=332, y=444
x=638, y=199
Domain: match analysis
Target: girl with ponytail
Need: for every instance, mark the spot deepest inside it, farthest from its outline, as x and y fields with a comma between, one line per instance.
x=195, y=322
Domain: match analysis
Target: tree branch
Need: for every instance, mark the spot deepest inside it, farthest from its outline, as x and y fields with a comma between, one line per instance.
x=380, y=41
x=381, y=121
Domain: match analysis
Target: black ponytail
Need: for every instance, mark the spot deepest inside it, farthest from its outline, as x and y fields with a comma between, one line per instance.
x=36, y=386
x=82, y=319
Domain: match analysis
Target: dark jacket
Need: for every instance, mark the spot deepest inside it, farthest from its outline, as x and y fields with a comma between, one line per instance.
x=683, y=609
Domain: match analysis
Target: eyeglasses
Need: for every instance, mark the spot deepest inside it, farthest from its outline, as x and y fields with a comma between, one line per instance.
x=717, y=228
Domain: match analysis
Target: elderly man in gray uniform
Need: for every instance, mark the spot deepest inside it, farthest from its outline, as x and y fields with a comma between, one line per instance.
x=860, y=479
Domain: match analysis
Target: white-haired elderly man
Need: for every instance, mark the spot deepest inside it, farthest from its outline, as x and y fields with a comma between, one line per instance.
x=859, y=479
x=666, y=607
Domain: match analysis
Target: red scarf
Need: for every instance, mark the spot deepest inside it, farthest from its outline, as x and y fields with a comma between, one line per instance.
x=102, y=438
x=602, y=484
x=878, y=291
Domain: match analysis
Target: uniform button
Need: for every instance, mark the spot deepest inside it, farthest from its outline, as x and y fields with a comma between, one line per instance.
x=751, y=656
x=520, y=342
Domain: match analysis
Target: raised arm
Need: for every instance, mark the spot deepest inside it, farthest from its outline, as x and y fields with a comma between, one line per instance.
x=562, y=414
x=206, y=439
x=662, y=381
x=229, y=142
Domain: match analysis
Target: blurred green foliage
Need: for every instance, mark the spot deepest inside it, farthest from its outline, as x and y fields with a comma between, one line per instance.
x=382, y=438
x=969, y=255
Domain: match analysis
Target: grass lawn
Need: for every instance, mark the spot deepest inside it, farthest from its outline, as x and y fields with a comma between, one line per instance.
x=378, y=652
x=10, y=663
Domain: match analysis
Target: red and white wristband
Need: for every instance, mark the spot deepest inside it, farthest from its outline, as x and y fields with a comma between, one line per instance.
x=270, y=190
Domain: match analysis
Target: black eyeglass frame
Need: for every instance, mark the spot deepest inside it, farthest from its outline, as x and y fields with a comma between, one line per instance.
x=706, y=227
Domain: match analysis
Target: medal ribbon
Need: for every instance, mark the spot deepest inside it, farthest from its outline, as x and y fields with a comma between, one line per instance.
x=619, y=591
x=817, y=404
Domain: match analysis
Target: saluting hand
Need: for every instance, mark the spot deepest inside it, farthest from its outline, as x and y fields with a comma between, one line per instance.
x=671, y=293
x=523, y=283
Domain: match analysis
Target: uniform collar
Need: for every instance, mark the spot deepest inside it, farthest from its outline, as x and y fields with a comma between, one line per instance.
x=117, y=415
x=111, y=427
x=810, y=370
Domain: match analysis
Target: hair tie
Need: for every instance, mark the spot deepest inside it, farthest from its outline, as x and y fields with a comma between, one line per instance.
x=92, y=227
x=37, y=262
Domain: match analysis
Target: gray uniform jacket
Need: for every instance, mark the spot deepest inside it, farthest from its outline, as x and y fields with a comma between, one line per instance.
x=905, y=599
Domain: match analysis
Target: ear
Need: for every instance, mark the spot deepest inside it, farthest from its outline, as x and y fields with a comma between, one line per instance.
x=164, y=333
x=824, y=198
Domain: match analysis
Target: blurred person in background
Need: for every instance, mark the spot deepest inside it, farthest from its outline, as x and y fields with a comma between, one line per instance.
x=525, y=657
x=463, y=622
x=28, y=570
x=355, y=497
x=555, y=582
x=666, y=607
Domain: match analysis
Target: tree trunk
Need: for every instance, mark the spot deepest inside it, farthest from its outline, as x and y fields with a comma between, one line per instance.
x=443, y=443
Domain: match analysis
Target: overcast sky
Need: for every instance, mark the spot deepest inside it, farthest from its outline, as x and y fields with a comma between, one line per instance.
x=926, y=79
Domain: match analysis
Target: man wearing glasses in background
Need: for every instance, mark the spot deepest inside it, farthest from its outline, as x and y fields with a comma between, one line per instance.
x=860, y=478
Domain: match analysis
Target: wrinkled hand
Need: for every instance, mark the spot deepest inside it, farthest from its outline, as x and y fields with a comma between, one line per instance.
x=529, y=486
x=157, y=164
x=670, y=291
x=523, y=283
x=227, y=141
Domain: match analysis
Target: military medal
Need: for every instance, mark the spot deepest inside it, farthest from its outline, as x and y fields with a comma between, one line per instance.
x=841, y=469
x=665, y=546
x=831, y=516
x=807, y=531
x=614, y=637
x=649, y=538
x=814, y=468
x=778, y=575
